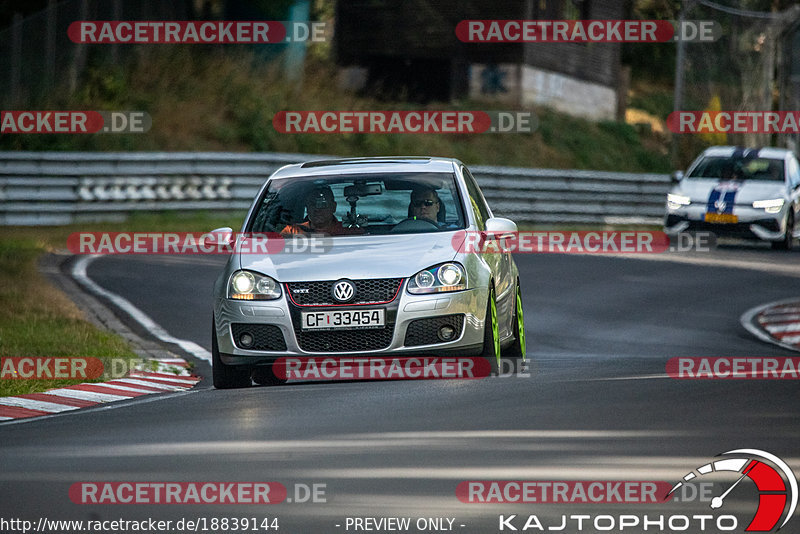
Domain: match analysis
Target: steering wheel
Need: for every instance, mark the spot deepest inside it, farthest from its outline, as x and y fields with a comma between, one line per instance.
x=414, y=225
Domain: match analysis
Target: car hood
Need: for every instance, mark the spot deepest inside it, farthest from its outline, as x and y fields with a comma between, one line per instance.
x=699, y=189
x=358, y=257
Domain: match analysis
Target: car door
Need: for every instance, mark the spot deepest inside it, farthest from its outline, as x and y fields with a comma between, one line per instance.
x=499, y=263
x=793, y=179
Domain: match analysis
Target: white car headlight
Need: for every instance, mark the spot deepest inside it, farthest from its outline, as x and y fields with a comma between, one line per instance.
x=770, y=206
x=676, y=201
x=247, y=285
x=439, y=278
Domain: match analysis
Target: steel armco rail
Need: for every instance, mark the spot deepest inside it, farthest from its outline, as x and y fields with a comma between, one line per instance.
x=55, y=188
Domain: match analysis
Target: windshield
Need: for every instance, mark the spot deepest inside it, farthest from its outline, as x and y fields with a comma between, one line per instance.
x=365, y=204
x=724, y=168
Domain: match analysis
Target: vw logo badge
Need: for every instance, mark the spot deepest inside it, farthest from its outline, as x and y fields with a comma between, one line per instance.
x=720, y=205
x=344, y=290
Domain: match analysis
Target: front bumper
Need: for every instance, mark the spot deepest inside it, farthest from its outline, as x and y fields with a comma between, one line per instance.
x=277, y=325
x=752, y=223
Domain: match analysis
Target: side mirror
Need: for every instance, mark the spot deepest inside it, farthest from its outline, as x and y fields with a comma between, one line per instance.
x=222, y=235
x=501, y=228
x=677, y=176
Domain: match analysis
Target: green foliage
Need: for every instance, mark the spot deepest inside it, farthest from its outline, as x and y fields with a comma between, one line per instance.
x=206, y=98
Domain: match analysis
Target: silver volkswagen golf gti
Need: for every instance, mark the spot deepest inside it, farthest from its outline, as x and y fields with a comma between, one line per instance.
x=373, y=262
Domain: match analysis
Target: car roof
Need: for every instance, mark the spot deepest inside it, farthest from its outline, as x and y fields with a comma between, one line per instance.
x=729, y=151
x=378, y=165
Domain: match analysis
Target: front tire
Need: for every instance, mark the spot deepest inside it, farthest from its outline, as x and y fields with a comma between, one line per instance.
x=517, y=351
x=788, y=237
x=226, y=376
x=491, y=335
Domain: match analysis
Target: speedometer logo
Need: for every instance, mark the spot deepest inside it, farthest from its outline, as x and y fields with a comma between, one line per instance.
x=773, y=478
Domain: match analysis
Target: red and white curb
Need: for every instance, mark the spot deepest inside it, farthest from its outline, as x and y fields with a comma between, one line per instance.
x=165, y=375
x=776, y=322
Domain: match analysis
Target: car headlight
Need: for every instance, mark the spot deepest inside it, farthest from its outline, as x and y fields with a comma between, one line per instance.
x=770, y=206
x=439, y=278
x=676, y=201
x=247, y=285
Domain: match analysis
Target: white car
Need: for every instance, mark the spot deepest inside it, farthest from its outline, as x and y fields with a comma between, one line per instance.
x=746, y=193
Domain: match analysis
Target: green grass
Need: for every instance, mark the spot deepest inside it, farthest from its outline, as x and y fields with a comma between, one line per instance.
x=655, y=99
x=207, y=100
x=37, y=320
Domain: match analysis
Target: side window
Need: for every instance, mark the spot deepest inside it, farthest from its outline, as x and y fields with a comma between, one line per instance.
x=476, y=199
x=794, y=173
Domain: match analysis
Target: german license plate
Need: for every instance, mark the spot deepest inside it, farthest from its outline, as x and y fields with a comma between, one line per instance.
x=723, y=218
x=330, y=320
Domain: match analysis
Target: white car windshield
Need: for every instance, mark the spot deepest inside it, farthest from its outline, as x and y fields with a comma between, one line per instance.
x=366, y=204
x=723, y=168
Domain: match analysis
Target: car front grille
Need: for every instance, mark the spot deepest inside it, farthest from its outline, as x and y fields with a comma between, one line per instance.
x=265, y=336
x=423, y=331
x=369, y=291
x=345, y=340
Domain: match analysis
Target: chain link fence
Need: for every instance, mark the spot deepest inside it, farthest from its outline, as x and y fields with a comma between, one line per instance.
x=38, y=59
x=753, y=67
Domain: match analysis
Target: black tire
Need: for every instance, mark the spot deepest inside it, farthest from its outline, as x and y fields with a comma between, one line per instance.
x=265, y=376
x=516, y=352
x=226, y=376
x=788, y=239
x=491, y=337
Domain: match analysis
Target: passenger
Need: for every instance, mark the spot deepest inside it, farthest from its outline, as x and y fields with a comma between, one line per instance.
x=320, y=206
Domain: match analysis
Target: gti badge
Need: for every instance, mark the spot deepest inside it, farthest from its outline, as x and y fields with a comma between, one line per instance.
x=344, y=290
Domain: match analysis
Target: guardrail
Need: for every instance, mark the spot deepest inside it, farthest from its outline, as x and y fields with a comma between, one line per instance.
x=55, y=188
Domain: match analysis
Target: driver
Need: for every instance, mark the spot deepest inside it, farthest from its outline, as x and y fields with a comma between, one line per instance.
x=729, y=172
x=425, y=204
x=321, y=207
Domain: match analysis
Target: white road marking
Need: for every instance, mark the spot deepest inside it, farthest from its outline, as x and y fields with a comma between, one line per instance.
x=118, y=387
x=165, y=387
x=793, y=327
x=176, y=381
x=79, y=273
x=163, y=368
x=747, y=320
x=778, y=318
x=40, y=406
x=86, y=395
x=98, y=408
x=774, y=316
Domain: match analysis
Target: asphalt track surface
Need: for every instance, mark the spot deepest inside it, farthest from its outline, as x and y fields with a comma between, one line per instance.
x=596, y=406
